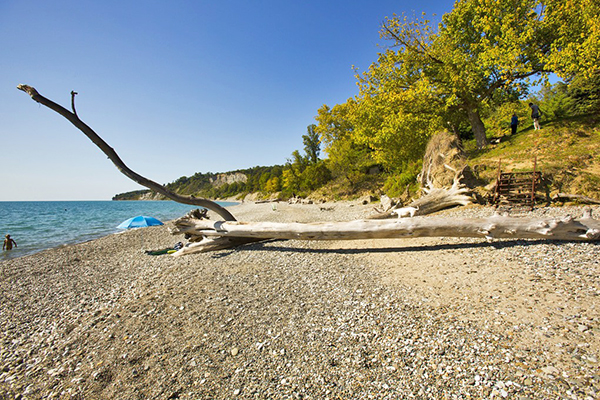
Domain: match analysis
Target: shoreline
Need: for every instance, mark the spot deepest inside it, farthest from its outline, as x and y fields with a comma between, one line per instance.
x=83, y=235
x=386, y=318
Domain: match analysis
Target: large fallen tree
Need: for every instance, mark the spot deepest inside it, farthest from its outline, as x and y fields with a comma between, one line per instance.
x=207, y=235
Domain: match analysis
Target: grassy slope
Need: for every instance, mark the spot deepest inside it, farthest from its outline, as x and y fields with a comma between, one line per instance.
x=567, y=152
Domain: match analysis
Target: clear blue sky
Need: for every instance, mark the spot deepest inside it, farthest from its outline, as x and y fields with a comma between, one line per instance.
x=175, y=87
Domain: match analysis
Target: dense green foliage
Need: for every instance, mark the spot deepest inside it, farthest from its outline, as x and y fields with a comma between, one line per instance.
x=468, y=74
x=573, y=28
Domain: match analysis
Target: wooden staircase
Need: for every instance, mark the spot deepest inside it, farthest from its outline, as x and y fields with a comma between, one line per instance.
x=517, y=187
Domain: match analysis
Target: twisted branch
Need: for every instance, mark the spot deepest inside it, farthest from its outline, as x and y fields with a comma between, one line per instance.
x=113, y=156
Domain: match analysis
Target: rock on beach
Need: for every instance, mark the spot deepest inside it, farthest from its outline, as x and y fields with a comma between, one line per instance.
x=424, y=318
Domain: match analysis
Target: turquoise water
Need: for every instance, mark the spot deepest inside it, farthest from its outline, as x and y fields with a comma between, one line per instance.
x=41, y=225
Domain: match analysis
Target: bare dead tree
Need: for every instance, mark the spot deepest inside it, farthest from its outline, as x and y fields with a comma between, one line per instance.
x=114, y=157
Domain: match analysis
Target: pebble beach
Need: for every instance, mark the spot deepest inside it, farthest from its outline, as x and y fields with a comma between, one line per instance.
x=419, y=318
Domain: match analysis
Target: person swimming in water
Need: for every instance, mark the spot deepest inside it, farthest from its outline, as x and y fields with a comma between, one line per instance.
x=8, y=243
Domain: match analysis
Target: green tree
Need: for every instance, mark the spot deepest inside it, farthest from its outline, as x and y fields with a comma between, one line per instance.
x=574, y=27
x=273, y=185
x=262, y=182
x=290, y=182
x=291, y=174
x=347, y=157
x=395, y=125
x=298, y=162
x=314, y=176
x=555, y=100
x=349, y=160
x=334, y=123
x=481, y=52
x=312, y=144
x=584, y=93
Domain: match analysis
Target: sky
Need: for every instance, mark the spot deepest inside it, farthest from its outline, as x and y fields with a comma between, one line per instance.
x=175, y=87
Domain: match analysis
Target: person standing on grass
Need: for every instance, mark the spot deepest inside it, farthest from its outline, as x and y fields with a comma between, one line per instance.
x=514, y=123
x=535, y=115
x=8, y=243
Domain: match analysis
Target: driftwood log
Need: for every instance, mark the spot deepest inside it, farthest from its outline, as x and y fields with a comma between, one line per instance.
x=210, y=235
x=442, y=150
x=114, y=157
x=434, y=199
x=574, y=197
x=437, y=199
x=441, y=179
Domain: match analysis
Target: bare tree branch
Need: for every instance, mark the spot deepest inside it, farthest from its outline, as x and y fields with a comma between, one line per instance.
x=112, y=155
x=73, y=94
x=419, y=48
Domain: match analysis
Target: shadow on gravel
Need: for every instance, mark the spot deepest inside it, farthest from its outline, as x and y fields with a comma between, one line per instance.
x=501, y=244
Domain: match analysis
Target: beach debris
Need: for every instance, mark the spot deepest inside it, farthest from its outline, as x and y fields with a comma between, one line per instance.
x=207, y=235
x=441, y=180
x=563, y=197
x=114, y=157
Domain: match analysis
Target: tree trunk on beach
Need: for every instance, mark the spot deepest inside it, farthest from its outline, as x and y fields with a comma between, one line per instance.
x=211, y=235
x=440, y=178
x=575, y=197
x=435, y=199
x=112, y=155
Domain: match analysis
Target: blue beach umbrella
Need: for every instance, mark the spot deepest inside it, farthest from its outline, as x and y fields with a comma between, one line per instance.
x=141, y=221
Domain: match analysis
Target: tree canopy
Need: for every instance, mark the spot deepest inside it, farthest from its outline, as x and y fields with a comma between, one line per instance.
x=575, y=37
x=479, y=57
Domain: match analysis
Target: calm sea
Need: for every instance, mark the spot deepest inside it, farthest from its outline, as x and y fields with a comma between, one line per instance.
x=40, y=225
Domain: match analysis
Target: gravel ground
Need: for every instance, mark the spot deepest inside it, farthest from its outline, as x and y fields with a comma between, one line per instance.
x=423, y=318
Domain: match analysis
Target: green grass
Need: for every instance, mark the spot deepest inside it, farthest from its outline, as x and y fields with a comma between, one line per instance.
x=567, y=152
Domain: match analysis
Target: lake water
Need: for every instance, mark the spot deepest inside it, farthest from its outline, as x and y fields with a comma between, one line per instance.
x=41, y=225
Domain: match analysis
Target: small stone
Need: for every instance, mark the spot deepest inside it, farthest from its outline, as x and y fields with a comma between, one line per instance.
x=234, y=351
x=582, y=327
x=591, y=359
x=550, y=370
